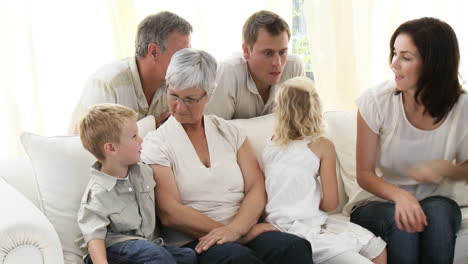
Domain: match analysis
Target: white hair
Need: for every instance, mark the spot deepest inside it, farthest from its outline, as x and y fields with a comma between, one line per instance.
x=192, y=68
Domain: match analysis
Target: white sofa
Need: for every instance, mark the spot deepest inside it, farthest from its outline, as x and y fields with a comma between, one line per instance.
x=40, y=195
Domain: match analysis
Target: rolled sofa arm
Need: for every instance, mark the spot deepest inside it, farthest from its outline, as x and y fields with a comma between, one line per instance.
x=26, y=236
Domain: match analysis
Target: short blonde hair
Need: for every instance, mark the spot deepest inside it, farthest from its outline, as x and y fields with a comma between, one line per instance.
x=104, y=123
x=298, y=111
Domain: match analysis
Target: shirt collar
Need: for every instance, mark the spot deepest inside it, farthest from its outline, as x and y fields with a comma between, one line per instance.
x=104, y=179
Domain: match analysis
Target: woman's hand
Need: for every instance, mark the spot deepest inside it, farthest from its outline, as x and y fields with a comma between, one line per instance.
x=220, y=235
x=409, y=215
x=257, y=230
x=432, y=171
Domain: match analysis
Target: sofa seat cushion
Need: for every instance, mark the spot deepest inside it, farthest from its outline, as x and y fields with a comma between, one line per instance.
x=464, y=223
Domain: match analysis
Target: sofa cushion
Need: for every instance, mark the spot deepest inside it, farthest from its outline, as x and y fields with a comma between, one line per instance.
x=258, y=130
x=62, y=167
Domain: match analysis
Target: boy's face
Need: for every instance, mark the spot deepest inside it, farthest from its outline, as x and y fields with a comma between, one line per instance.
x=129, y=148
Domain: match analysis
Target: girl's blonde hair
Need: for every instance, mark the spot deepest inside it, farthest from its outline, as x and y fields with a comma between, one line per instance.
x=298, y=111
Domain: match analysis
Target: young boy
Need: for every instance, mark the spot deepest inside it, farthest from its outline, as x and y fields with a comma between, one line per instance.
x=117, y=214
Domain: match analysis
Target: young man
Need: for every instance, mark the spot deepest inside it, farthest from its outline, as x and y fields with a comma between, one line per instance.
x=247, y=83
x=139, y=82
x=117, y=213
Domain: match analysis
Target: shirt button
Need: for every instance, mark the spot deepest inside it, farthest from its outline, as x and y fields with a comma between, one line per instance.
x=130, y=189
x=147, y=187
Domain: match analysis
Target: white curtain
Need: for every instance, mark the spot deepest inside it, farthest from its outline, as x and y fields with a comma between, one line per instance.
x=349, y=41
x=49, y=48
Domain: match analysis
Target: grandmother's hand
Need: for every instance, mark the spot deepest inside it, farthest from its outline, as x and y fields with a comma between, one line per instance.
x=257, y=230
x=220, y=235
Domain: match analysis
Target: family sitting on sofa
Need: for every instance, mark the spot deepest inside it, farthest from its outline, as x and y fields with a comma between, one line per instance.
x=216, y=204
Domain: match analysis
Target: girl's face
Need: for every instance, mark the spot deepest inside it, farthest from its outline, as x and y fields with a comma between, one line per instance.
x=406, y=63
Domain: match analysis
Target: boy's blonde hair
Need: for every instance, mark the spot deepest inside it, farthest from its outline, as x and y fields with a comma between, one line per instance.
x=104, y=123
x=298, y=111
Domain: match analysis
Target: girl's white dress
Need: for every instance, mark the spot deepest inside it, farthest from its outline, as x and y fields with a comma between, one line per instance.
x=294, y=193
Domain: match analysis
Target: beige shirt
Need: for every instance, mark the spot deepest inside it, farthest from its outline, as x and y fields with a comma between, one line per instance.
x=236, y=95
x=217, y=191
x=119, y=83
x=117, y=210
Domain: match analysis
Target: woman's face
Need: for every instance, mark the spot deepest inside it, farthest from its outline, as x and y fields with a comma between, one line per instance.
x=406, y=63
x=187, y=105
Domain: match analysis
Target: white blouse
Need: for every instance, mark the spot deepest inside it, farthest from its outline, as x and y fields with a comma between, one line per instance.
x=402, y=145
x=216, y=191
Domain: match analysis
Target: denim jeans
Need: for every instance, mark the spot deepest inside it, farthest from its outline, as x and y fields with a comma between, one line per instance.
x=436, y=244
x=144, y=251
x=272, y=247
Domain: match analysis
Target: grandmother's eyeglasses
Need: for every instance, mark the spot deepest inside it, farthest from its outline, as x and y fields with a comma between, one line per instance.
x=187, y=100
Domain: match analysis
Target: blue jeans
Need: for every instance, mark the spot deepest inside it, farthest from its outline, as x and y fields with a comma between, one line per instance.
x=436, y=244
x=272, y=247
x=144, y=251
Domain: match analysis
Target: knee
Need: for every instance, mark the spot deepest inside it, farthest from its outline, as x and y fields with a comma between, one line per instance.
x=442, y=211
x=233, y=253
x=377, y=217
x=292, y=245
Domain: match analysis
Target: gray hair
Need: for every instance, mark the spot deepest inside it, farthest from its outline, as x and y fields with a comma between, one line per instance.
x=156, y=29
x=192, y=68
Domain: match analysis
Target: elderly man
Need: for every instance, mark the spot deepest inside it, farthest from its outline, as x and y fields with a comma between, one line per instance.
x=247, y=83
x=139, y=82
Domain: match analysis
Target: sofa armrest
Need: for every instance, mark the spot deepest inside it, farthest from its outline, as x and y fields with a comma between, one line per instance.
x=26, y=234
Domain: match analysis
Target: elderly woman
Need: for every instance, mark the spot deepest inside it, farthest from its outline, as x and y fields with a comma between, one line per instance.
x=210, y=190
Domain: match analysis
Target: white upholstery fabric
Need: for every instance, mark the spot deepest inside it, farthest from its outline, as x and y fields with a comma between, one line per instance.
x=341, y=129
x=62, y=168
x=26, y=235
x=258, y=131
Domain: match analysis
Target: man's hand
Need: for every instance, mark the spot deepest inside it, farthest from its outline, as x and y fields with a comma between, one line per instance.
x=162, y=118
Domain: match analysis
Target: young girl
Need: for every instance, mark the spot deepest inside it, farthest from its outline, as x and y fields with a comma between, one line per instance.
x=294, y=159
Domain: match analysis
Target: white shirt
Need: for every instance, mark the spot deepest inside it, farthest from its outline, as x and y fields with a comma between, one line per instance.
x=236, y=95
x=119, y=83
x=402, y=145
x=217, y=191
x=294, y=194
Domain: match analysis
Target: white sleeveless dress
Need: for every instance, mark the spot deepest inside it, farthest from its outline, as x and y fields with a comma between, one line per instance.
x=294, y=193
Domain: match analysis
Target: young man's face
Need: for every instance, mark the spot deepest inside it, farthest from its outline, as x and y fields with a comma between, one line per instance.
x=129, y=148
x=267, y=58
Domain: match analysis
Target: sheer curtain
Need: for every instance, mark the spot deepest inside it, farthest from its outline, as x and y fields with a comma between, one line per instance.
x=49, y=48
x=349, y=41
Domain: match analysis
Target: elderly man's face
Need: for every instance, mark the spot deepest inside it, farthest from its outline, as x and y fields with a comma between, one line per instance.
x=187, y=105
x=175, y=42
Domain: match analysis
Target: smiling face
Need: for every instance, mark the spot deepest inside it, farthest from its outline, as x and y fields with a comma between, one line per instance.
x=406, y=63
x=267, y=57
x=129, y=147
x=189, y=112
